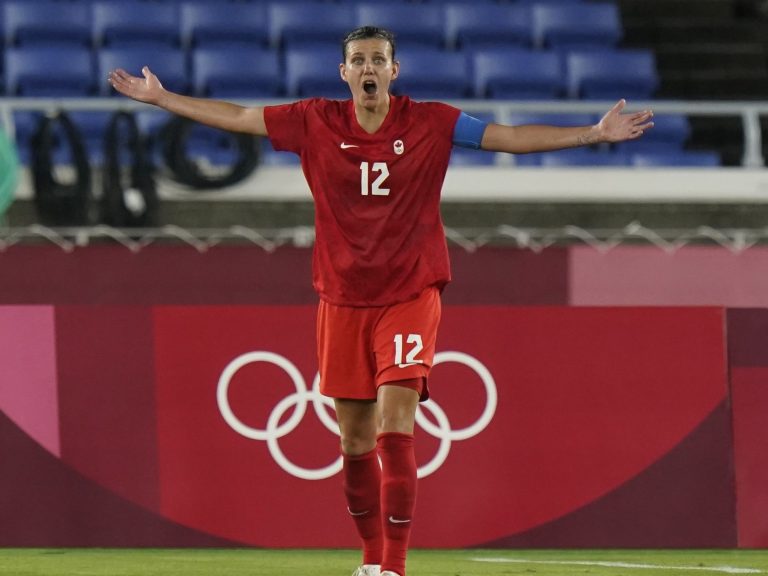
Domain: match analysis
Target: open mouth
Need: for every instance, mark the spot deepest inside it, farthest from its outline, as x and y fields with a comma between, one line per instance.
x=369, y=86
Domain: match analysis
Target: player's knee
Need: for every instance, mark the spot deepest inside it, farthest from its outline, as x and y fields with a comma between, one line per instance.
x=357, y=443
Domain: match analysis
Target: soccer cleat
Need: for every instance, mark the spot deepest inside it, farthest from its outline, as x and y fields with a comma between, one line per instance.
x=367, y=570
x=389, y=573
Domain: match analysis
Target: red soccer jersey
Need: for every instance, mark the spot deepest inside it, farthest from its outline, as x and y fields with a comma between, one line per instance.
x=379, y=234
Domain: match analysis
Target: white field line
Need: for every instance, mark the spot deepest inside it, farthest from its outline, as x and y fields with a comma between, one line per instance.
x=726, y=569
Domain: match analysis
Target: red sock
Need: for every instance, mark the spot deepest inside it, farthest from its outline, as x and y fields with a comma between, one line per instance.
x=362, y=485
x=398, y=497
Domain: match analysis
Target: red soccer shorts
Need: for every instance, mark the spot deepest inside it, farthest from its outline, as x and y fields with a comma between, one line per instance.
x=359, y=349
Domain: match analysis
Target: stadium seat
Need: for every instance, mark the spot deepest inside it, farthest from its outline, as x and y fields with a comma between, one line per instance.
x=206, y=24
x=310, y=72
x=552, y=119
x=249, y=72
x=133, y=22
x=25, y=124
x=517, y=74
x=92, y=125
x=413, y=24
x=169, y=64
x=46, y=22
x=480, y=26
x=296, y=25
x=583, y=157
x=669, y=134
x=680, y=158
x=49, y=71
x=576, y=25
x=611, y=74
x=151, y=122
x=447, y=77
x=669, y=129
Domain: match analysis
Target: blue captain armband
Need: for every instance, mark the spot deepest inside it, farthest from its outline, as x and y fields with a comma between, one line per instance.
x=468, y=132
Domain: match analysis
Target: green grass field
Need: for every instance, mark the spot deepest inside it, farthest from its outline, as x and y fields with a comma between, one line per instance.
x=250, y=562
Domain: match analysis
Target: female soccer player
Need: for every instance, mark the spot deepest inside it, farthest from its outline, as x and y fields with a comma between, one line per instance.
x=375, y=165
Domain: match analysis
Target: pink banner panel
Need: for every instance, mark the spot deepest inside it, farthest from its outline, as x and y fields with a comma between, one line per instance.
x=28, y=388
x=647, y=275
x=522, y=399
x=107, y=397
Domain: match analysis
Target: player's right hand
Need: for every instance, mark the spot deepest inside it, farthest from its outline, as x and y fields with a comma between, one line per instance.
x=147, y=89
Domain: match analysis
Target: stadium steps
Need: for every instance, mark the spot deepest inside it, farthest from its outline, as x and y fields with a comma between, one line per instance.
x=705, y=50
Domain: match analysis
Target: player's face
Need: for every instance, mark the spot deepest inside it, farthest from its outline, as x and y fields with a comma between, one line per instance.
x=369, y=70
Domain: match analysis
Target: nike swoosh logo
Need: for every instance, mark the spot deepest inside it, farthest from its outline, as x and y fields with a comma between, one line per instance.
x=409, y=364
x=344, y=146
x=398, y=521
x=357, y=513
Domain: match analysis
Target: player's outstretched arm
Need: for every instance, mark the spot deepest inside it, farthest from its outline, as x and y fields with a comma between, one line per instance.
x=615, y=126
x=224, y=115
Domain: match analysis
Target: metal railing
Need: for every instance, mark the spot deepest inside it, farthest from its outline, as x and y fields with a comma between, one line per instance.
x=749, y=112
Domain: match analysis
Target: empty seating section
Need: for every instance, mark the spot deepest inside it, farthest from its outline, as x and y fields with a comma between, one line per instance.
x=49, y=71
x=27, y=23
x=302, y=24
x=413, y=24
x=516, y=49
x=307, y=72
x=272, y=49
x=205, y=24
x=168, y=62
x=517, y=74
x=607, y=75
x=576, y=25
x=135, y=23
x=249, y=72
x=474, y=26
x=446, y=75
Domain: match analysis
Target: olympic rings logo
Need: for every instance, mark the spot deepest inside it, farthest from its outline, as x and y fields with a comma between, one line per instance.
x=302, y=397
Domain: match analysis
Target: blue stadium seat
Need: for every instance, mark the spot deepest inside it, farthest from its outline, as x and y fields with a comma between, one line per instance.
x=169, y=64
x=611, y=74
x=517, y=74
x=249, y=72
x=480, y=26
x=680, y=158
x=552, y=119
x=206, y=23
x=92, y=125
x=413, y=24
x=25, y=124
x=46, y=22
x=583, y=157
x=577, y=25
x=447, y=77
x=132, y=22
x=295, y=25
x=669, y=128
x=310, y=72
x=669, y=135
x=151, y=122
x=552, y=2
x=49, y=71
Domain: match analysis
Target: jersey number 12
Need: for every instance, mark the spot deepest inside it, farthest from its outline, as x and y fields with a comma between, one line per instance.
x=365, y=175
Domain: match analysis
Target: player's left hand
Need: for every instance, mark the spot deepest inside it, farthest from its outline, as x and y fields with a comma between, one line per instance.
x=616, y=127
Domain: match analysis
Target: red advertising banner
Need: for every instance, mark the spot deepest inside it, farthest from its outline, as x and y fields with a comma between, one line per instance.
x=536, y=413
x=202, y=426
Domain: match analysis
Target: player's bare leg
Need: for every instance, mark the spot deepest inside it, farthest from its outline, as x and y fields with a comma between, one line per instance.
x=396, y=408
x=362, y=478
